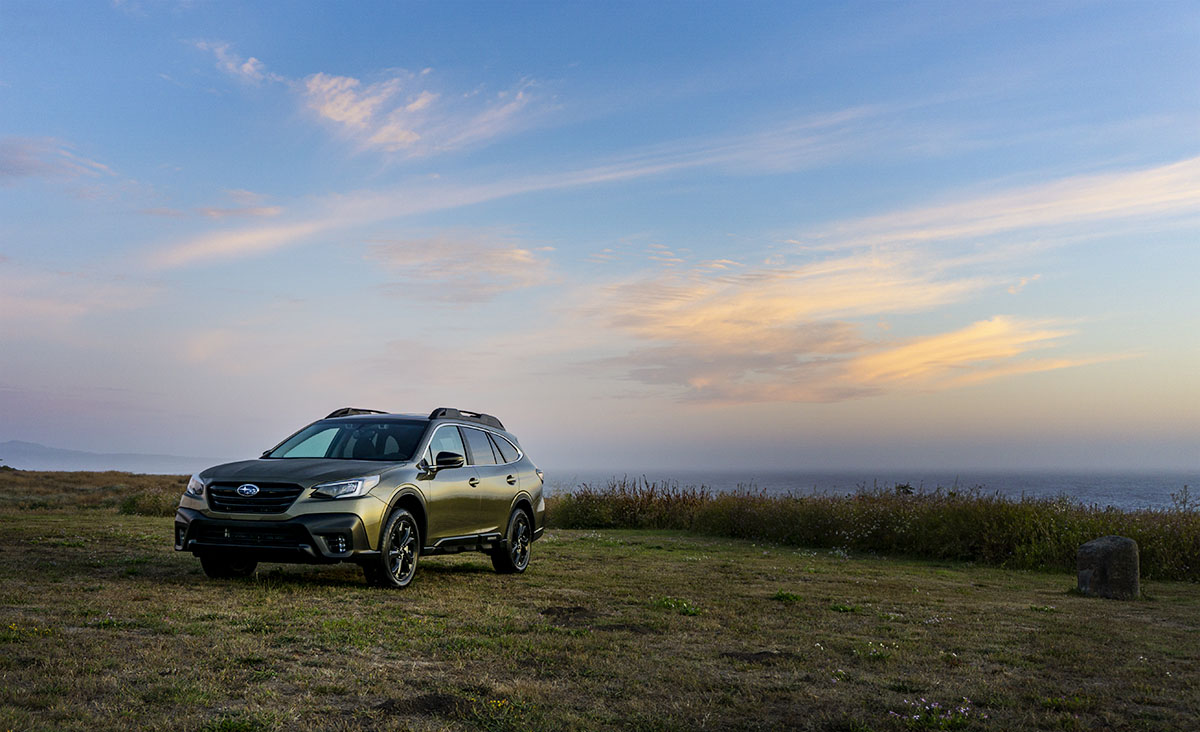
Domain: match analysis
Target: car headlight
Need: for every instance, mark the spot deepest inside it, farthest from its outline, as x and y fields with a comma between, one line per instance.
x=346, y=488
x=195, y=486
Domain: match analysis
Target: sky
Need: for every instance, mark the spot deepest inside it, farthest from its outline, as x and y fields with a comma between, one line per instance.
x=645, y=235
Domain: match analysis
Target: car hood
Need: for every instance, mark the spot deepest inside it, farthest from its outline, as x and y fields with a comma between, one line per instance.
x=306, y=472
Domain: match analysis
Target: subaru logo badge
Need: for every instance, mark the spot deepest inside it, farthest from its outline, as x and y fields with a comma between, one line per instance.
x=247, y=489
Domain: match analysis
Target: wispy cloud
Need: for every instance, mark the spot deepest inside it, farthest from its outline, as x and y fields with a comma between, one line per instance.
x=719, y=307
x=246, y=204
x=242, y=204
x=1020, y=285
x=225, y=212
x=979, y=352
x=724, y=331
x=44, y=157
x=401, y=113
x=459, y=266
x=359, y=208
x=343, y=99
x=246, y=69
x=1156, y=193
x=750, y=334
x=721, y=331
x=237, y=243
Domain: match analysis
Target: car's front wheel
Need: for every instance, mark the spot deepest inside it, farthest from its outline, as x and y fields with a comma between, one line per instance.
x=224, y=566
x=398, y=552
x=512, y=556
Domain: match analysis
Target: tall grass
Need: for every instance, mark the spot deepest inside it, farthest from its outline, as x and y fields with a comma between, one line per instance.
x=968, y=525
x=129, y=493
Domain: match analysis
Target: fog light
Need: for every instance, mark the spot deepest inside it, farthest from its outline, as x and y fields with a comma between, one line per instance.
x=180, y=533
x=336, y=543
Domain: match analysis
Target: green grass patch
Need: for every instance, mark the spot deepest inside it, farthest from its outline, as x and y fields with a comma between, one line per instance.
x=242, y=723
x=676, y=604
x=1072, y=703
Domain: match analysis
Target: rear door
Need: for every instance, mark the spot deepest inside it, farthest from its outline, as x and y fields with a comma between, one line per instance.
x=497, y=484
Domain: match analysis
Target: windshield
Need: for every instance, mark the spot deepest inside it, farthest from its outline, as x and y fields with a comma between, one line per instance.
x=390, y=440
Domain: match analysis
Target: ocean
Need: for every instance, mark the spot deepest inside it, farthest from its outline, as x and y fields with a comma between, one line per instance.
x=1128, y=491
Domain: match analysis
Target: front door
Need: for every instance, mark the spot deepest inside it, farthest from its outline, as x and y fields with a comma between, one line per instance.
x=452, y=502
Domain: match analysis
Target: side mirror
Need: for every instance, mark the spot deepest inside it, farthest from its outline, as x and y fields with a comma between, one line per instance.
x=449, y=460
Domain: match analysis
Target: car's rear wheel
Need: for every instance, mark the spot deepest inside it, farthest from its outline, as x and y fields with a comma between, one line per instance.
x=225, y=566
x=512, y=555
x=398, y=552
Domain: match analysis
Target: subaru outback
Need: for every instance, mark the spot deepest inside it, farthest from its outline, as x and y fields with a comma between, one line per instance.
x=372, y=488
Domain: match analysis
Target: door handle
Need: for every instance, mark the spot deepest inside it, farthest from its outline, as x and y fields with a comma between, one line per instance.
x=473, y=482
x=512, y=480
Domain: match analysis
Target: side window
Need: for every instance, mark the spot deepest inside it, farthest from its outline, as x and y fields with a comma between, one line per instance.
x=481, y=447
x=446, y=439
x=508, y=453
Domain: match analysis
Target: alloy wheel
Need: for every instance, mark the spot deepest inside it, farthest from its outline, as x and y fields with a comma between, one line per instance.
x=402, y=550
x=519, y=541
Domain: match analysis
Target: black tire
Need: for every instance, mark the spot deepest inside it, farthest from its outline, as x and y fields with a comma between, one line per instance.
x=226, y=566
x=398, y=552
x=512, y=555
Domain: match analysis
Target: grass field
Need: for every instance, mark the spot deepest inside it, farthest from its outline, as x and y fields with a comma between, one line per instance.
x=104, y=626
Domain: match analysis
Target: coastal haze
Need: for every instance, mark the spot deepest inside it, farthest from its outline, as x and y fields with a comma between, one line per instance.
x=896, y=243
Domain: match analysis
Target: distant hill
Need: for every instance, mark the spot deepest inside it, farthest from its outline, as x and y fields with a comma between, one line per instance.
x=32, y=456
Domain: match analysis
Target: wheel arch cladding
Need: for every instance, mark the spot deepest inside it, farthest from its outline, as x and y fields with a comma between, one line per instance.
x=523, y=503
x=413, y=504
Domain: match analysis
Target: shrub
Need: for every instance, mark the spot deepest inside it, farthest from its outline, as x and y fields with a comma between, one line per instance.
x=971, y=525
x=149, y=503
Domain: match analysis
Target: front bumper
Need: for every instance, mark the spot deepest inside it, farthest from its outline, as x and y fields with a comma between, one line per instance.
x=311, y=538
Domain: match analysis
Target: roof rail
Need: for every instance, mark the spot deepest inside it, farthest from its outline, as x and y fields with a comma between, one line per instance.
x=348, y=411
x=452, y=413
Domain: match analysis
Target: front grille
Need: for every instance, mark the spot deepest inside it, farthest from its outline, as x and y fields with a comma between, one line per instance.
x=271, y=497
x=267, y=536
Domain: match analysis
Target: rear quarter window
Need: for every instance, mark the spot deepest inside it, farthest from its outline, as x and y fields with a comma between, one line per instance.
x=508, y=452
x=480, y=446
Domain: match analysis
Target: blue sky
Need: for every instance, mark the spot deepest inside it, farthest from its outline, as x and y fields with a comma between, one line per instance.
x=937, y=235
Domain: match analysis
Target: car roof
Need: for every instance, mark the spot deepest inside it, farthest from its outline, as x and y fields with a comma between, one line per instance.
x=354, y=414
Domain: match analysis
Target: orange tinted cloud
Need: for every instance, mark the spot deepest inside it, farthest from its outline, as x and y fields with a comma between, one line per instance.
x=737, y=309
x=793, y=333
x=979, y=352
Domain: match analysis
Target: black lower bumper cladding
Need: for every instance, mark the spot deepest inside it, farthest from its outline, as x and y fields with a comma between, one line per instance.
x=317, y=538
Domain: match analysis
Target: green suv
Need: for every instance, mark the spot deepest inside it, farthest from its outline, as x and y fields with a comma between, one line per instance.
x=372, y=488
